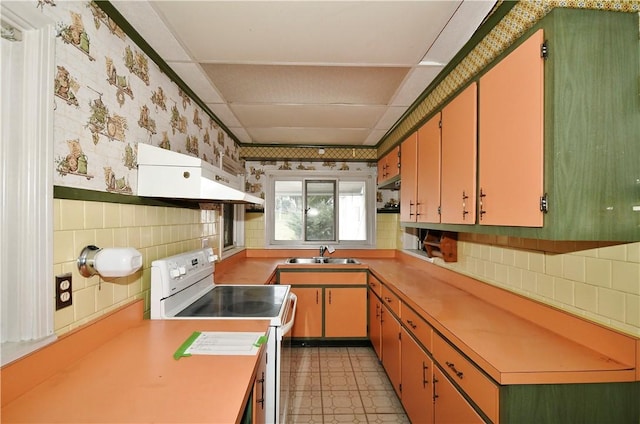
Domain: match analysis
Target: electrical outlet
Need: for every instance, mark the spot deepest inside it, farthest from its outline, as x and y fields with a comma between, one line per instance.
x=63, y=291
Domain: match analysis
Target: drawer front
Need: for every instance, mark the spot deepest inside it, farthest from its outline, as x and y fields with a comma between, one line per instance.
x=323, y=278
x=375, y=285
x=391, y=300
x=479, y=387
x=417, y=326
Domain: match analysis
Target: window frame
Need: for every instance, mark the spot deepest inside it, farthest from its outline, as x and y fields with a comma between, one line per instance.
x=238, y=230
x=370, y=189
x=29, y=207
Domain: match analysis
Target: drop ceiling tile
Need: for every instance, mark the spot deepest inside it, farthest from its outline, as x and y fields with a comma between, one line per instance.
x=144, y=18
x=308, y=136
x=349, y=32
x=196, y=79
x=360, y=85
x=459, y=30
x=241, y=134
x=373, y=137
x=391, y=115
x=320, y=116
x=224, y=113
x=418, y=79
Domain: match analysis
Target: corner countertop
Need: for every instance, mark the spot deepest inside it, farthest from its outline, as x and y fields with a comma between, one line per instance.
x=482, y=321
x=134, y=378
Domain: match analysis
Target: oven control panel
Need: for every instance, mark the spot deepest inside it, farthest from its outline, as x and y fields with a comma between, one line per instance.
x=180, y=265
x=175, y=273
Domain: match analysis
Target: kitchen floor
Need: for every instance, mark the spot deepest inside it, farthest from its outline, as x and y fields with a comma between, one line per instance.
x=341, y=385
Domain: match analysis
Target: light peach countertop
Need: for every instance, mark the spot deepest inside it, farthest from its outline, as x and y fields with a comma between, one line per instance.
x=511, y=349
x=134, y=378
x=247, y=271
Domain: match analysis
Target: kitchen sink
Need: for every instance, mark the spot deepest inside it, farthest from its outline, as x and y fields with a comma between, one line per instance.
x=322, y=260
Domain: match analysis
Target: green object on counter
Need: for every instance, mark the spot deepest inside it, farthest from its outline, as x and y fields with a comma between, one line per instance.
x=184, y=346
x=261, y=340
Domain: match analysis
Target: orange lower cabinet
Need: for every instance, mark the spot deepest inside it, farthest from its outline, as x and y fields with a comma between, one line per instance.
x=417, y=384
x=391, y=348
x=450, y=406
x=259, y=390
x=375, y=323
x=308, y=322
x=345, y=311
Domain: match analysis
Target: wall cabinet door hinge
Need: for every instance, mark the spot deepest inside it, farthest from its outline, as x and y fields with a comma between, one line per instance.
x=544, y=50
x=544, y=203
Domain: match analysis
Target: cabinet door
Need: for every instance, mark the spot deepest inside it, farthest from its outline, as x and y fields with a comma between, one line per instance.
x=382, y=170
x=417, y=387
x=393, y=163
x=511, y=138
x=459, y=159
x=408, y=174
x=308, y=322
x=450, y=406
x=389, y=165
x=428, y=171
x=345, y=313
x=259, y=391
x=391, y=348
x=375, y=325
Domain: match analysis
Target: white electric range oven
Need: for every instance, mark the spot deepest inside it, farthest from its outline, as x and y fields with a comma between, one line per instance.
x=182, y=287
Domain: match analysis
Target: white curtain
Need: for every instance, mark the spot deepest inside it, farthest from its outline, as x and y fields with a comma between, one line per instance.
x=26, y=178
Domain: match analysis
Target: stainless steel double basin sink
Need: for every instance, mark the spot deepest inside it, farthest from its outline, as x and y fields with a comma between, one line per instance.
x=323, y=260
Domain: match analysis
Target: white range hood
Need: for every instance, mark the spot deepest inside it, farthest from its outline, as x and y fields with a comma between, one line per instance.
x=167, y=174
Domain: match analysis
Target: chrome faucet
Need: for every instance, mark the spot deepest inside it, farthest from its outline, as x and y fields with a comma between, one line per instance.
x=325, y=248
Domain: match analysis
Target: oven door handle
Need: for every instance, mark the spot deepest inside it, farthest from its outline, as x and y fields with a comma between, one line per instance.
x=287, y=327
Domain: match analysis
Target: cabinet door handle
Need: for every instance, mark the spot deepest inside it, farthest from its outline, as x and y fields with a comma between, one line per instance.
x=424, y=374
x=464, y=205
x=261, y=400
x=435, y=394
x=458, y=374
x=377, y=311
x=482, y=196
x=317, y=296
x=411, y=204
x=329, y=297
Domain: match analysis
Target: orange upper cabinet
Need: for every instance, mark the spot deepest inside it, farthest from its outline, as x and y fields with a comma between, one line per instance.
x=511, y=138
x=389, y=165
x=428, y=168
x=409, y=175
x=459, y=158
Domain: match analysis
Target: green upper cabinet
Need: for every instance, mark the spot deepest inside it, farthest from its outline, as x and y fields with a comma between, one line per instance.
x=589, y=178
x=592, y=125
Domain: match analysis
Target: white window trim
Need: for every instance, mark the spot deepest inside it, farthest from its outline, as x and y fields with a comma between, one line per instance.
x=26, y=205
x=272, y=176
x=238, y=232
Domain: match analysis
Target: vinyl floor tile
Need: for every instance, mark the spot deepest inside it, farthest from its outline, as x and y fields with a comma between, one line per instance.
x=334, y=385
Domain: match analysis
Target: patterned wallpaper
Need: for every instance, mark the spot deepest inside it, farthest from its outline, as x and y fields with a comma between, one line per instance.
x=109, y=97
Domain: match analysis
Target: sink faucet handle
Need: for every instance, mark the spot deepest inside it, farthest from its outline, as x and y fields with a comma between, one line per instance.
x=325, y=248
